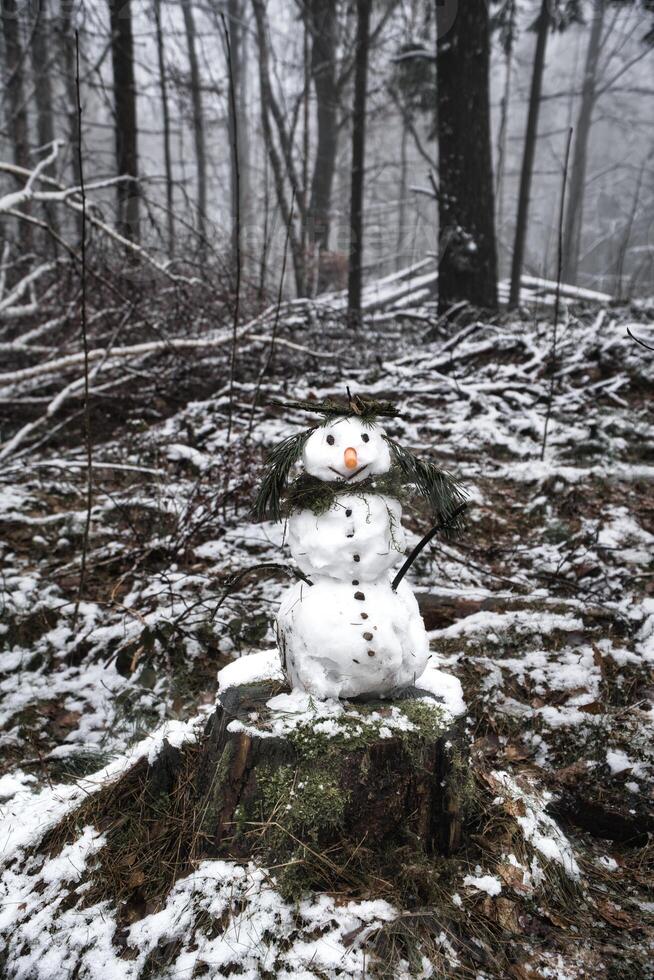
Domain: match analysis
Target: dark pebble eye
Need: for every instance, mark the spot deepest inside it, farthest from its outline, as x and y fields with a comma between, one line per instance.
x=365, y=437
x=330, y=440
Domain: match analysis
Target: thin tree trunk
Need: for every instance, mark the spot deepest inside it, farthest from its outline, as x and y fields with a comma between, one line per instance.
x=41, y=71
x=198, y=123
x=467, y=251
x=542, y=29
x=503, y=126
x=305, y=138
x=323, y=73
x=624, y=244
x=238, y=40
x=41, y=56
x=16, y=108
x=163, y=90
x=574, y=213
x=122, y=56
x=266, y=221
x=401, y=218
x=67, y=48
x=358, y=161
x=268, y=105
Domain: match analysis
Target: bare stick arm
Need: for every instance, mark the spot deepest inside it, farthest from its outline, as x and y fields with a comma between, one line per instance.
x=423, y=544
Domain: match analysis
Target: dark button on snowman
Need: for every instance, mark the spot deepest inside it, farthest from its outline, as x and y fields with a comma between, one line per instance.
x=348, y=628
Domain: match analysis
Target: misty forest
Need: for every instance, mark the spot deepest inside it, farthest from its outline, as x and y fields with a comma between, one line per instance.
x=219, y=218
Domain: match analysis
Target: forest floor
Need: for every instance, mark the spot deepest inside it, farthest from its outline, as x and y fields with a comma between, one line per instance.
x=544, y=610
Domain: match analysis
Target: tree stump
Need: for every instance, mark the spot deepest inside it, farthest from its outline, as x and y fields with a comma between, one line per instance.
x=328, y=796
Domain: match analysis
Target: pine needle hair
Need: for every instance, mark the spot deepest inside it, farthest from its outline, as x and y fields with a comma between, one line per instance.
x=409, y=475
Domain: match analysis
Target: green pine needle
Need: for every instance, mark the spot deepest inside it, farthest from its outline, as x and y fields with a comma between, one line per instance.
x=268, y=503
x=366, y=409
x=442, y=491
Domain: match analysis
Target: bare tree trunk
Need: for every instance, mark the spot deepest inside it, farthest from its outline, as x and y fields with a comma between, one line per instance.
x=624, y=244
x=358, y=161
x=16, y=108
x=198, y=122
x=306, y=80
x=41, y=71
x=163, y=90
x=238, y=40
x=268, y=106
x=574, y=213
x=322, y=15
x=41, y=57
x=542, y=29
x=467, y=253
x=67, y=49
x=503, y=126
x=263, y=264
x=401, y=218
x=122, y=57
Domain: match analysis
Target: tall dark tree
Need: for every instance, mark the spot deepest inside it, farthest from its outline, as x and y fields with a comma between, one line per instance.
x=467, y=257
x=165, y=110
x=125, y=126
x=281, y=160
x=15, y=98
x=543, y=24
x=198, y=120
x=41, y=61
x=66, y=50
x=358, y=160
x=504, y=21
x=574, y=211
x=322, y=27
x=238, y=124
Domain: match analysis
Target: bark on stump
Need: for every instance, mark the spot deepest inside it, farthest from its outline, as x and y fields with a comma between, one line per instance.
x=323, y=791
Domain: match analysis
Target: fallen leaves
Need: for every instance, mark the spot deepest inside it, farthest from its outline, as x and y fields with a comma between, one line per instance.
x=615, y=915
x=514, y=877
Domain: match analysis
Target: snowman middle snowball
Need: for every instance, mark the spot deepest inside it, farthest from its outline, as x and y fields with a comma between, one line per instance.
x=349, y=633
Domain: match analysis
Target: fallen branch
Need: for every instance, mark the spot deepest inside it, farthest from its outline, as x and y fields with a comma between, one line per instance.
x=148, y=347
x=67, y=196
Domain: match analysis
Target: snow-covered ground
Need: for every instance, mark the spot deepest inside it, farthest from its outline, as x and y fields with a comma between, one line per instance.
x=544, y=612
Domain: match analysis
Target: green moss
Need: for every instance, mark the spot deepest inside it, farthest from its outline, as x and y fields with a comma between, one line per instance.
x=297, y=807
x=361, y=730
x=462, y=786
x=304, y=800
x=294, y=807
x=429, y=719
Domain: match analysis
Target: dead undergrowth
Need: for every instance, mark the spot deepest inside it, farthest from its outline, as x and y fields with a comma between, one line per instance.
x=543, y=611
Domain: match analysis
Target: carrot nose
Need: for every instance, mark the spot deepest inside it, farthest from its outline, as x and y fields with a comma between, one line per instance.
x=350, y=457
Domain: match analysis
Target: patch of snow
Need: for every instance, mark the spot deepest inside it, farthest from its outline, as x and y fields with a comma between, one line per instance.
x=485, y=883
x=13, y=782
x=177, y=452
x=28, y=816
x=251, y=669
x=539, y=828
x=445, y=686
x=618, y=761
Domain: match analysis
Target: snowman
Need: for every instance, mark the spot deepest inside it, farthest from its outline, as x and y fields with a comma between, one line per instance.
x=348, y=627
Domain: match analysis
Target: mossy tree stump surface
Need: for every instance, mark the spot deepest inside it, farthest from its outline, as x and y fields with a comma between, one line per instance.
x=328, y=793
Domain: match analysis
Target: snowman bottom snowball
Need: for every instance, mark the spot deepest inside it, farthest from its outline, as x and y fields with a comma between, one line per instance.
x=342, y=640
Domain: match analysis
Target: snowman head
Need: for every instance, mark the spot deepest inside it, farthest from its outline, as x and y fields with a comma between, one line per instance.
x=346, y=449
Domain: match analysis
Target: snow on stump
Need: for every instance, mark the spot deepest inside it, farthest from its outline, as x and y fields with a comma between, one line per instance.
x=320, y=791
